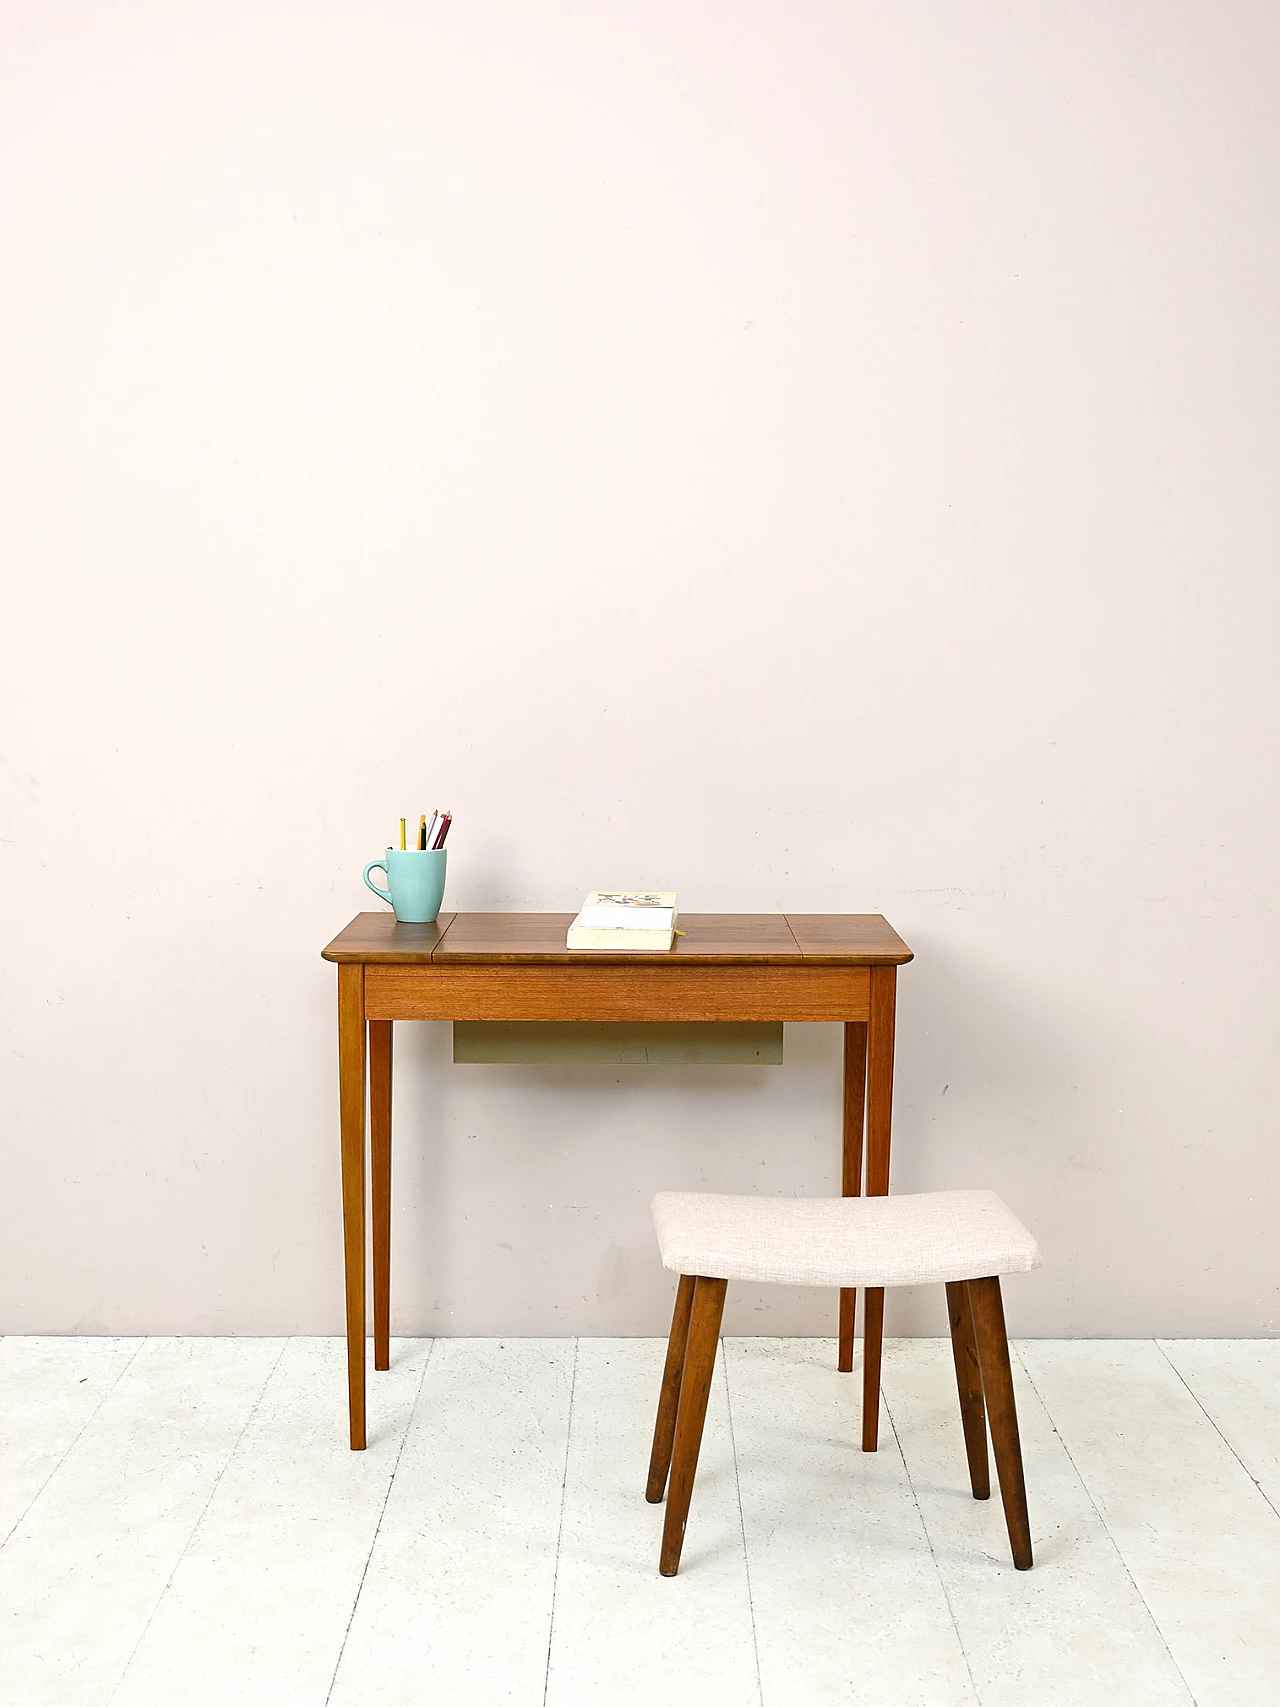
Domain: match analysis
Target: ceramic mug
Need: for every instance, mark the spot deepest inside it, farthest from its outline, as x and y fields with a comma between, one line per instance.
x=415, y=882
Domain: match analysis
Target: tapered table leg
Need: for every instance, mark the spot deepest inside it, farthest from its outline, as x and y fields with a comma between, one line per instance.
x=351, y=1066
x=380, y=1181
x=880, y=1024
x=855, y=1096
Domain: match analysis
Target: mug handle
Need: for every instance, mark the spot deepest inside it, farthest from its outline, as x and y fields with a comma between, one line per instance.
x=378, y=865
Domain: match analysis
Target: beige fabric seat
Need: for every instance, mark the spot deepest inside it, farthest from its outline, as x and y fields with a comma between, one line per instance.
x=927, y=1238
x=964, y=1240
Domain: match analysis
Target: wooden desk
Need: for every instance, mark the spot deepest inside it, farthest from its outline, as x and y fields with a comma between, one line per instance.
x=514, y=966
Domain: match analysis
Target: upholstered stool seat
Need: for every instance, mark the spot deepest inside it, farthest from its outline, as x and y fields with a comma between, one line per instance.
x=962, y=1239
x=927, y=1238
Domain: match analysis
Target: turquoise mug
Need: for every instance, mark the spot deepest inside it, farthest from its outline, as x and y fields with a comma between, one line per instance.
x=415, y=882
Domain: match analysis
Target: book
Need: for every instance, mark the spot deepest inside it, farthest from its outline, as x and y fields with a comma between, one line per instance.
x=625, y=921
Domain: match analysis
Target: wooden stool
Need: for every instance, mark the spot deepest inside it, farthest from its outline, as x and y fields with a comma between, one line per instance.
x=966, y=1239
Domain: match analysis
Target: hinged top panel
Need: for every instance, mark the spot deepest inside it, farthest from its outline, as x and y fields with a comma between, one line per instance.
x=710, y=939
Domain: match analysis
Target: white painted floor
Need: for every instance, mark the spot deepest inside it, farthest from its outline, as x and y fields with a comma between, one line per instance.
x=183, y=1524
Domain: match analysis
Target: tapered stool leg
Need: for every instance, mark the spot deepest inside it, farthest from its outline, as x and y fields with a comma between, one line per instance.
x=997, y=1386
x=699, y=1362
x=973, y=1416
x=664, y=1429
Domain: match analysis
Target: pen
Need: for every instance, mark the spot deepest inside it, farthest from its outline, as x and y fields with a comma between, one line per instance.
x=403, y=843
x=431, y=829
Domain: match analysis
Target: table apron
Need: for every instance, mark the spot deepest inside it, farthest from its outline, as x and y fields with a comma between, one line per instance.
x=617, y=992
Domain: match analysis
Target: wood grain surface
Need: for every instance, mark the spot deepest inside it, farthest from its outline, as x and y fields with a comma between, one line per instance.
x=691, y=1413
x=527, y=938
x=866, y=938
x=855, y=1099
x=635, y=989
x=664, y=1428
x=351, y=1088
x=973, y=1410
x=880, y=1030
x=380, y=1057
x=769, y=939
x=1002, y=1411
x=376, y=937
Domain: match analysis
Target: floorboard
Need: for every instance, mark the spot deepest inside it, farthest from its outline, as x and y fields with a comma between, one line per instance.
x=622, y=1632
x=1237, y=1384
x=84, y=1572
x=50, y=1389
x=260, y=1600
x=849, y=1604
x=185, y=1523
x=1196, y=1534
x=456, y=1604
x=1071, y=1632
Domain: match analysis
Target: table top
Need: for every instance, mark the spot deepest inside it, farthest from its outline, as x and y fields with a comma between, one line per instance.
x=710, y=939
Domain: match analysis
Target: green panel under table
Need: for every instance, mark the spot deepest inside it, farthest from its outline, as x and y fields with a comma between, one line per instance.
x=618, y=1043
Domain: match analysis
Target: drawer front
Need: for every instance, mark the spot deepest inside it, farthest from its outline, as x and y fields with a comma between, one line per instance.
x=616, y=992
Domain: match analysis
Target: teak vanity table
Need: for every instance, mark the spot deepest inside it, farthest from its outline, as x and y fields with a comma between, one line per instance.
x=514, y=966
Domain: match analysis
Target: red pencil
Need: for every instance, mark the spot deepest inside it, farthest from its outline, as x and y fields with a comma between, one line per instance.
x=443, y=831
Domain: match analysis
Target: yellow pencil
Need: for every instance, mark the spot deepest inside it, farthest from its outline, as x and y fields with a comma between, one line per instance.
x=403, y=843
x=422, y=831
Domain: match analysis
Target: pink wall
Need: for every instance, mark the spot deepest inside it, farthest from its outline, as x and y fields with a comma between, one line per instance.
x=367, y=367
